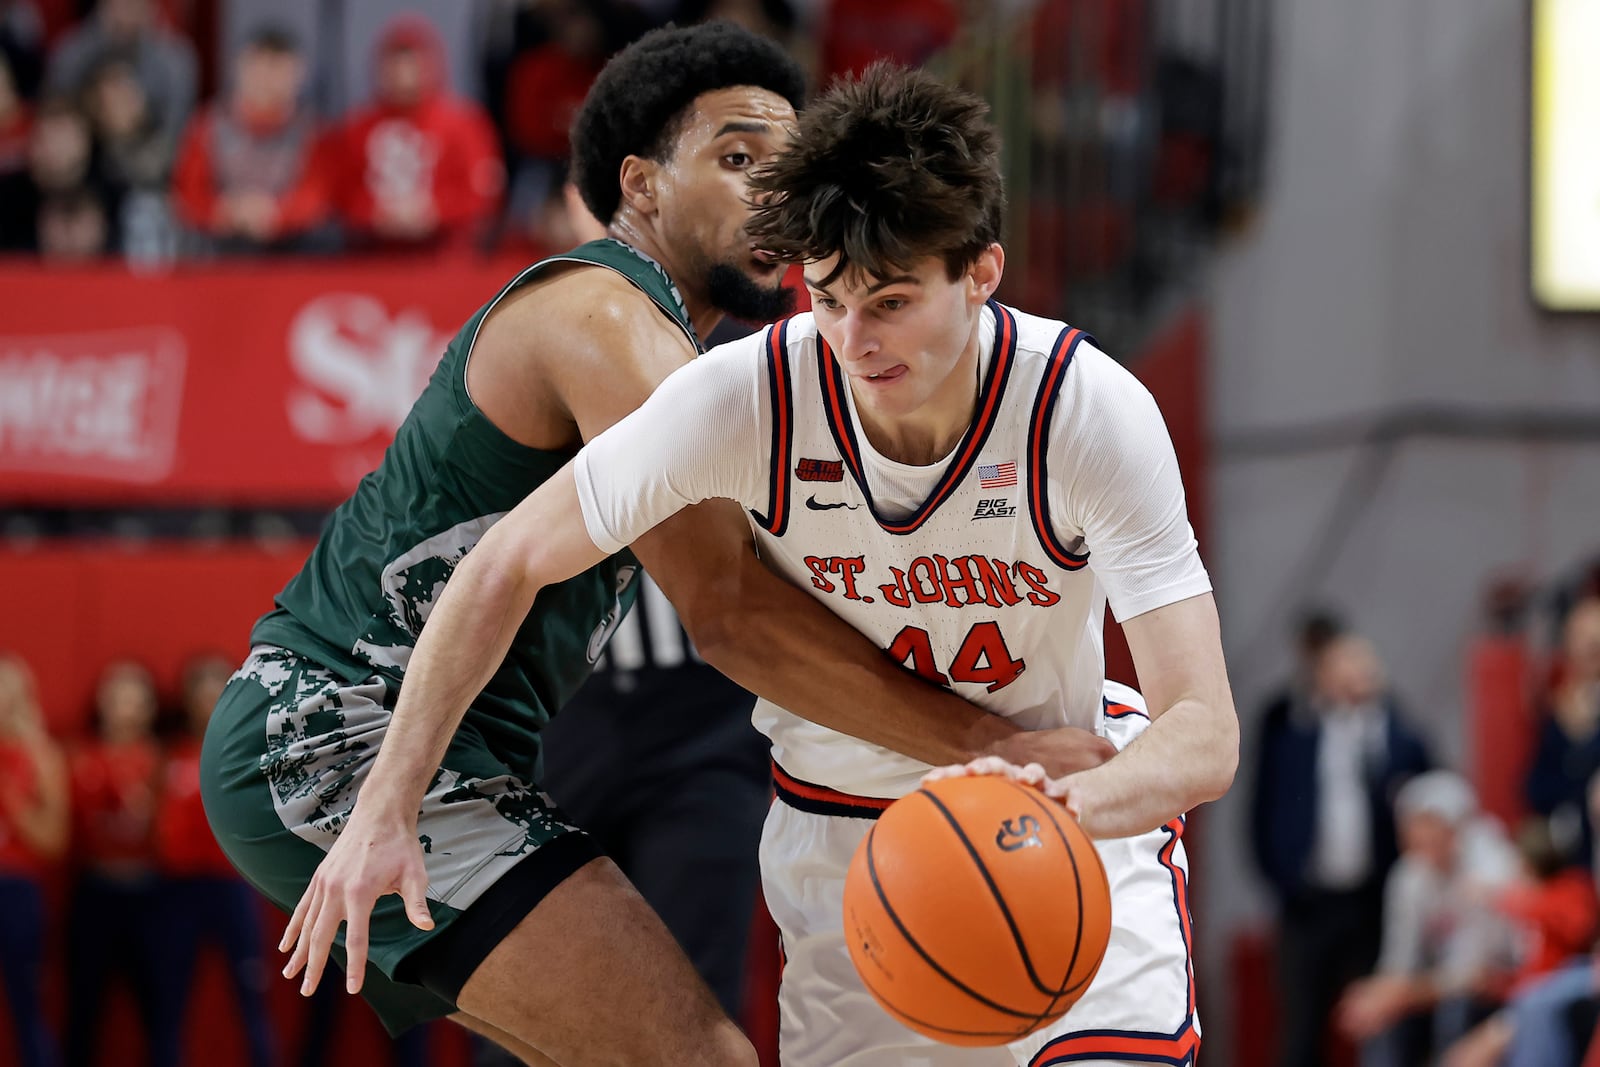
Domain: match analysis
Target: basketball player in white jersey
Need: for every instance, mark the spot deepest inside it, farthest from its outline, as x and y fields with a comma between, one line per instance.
x=967, y=485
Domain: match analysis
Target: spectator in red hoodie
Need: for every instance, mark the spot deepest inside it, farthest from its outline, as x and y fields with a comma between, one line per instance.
x=419, y=167
x=250, y=177
x=33, y=833
x=204, y=899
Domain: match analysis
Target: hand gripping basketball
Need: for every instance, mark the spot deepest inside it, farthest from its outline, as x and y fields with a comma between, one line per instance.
x=976, y=910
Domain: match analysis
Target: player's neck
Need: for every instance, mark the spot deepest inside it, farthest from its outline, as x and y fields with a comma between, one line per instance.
x=702, y=315
x=929, y=433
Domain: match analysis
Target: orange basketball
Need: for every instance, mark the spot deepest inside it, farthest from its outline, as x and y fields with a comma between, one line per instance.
x=976, y=910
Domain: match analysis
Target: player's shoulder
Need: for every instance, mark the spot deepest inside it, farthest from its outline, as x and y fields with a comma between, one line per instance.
x=1043, y=341
x=797, y=333
x=582, y=307
x=794, y=338
x=1097, y=401
x=743, y=357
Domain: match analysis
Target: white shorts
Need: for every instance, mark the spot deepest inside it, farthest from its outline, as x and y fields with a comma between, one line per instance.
x=1139, y=1009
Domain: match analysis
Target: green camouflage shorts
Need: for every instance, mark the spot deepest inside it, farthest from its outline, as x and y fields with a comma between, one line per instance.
x=287, y=749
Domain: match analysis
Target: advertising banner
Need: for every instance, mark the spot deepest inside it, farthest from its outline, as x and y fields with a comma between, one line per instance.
x=250, y=384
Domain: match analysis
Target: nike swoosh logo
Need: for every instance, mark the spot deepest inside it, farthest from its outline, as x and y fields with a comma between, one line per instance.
x=814, y=505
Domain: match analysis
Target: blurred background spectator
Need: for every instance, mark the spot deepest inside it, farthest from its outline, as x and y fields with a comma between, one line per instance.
x=133, y=156
x=418, y=168
x=1552, y=906
x=73, y=226
x=114, y=931
x=1446, y=949
x=252, y=173
x=1333, y=751
x=544, y=87
x=60, y=152
x=160, y=62
x=34, y=828
x=22, y=45
x=204, y=902
x=1568, y=753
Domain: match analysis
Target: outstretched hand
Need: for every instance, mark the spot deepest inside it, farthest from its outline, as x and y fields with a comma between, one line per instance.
x=372, y=858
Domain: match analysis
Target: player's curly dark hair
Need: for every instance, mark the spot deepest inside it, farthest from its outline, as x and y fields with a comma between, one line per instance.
x=640, y=100
x=886, y=169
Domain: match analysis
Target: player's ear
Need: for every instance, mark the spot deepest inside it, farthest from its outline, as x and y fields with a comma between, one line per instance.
x=983, y=277
x=638, y=180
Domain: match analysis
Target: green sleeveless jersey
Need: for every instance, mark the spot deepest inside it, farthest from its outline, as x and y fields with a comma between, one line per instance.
x=359, y=603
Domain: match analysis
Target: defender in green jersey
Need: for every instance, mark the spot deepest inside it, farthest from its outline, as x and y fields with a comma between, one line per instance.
x=336, y=789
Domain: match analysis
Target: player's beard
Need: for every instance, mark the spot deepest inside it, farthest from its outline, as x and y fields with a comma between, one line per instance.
x=733, y=292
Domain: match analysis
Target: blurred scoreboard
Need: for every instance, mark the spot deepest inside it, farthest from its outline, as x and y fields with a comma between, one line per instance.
x=1565, y=214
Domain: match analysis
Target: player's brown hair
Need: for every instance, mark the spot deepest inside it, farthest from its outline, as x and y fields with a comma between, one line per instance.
x=884, y=170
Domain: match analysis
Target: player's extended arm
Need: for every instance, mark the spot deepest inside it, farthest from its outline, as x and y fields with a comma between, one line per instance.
x=1190, y=751
x=540, y=542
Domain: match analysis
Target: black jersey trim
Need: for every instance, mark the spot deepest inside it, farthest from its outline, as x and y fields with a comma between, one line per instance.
x=781, y=380
x=1044, y=407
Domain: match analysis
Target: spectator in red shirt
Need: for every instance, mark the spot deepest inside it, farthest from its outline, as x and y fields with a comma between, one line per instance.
x=419, y=168
x=250, y=177
x=1555, y=906
x=547, y=84
x=544, y=89
x=118, y=892
x=205, y=899
x=33, y=834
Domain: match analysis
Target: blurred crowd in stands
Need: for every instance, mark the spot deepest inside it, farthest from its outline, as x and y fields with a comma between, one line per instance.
x=1414, y=924
x=108, y=145
x=145, y=130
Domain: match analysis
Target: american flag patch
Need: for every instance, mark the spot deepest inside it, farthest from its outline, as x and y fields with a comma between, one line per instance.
x=996, y=475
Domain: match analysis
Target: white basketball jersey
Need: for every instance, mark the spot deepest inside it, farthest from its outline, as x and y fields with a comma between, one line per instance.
x=974, y=590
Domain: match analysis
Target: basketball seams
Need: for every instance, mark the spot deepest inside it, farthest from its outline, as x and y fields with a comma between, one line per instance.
x=999, y=898
x=888, y=908
x=1077, y=887
x=907, y=1018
